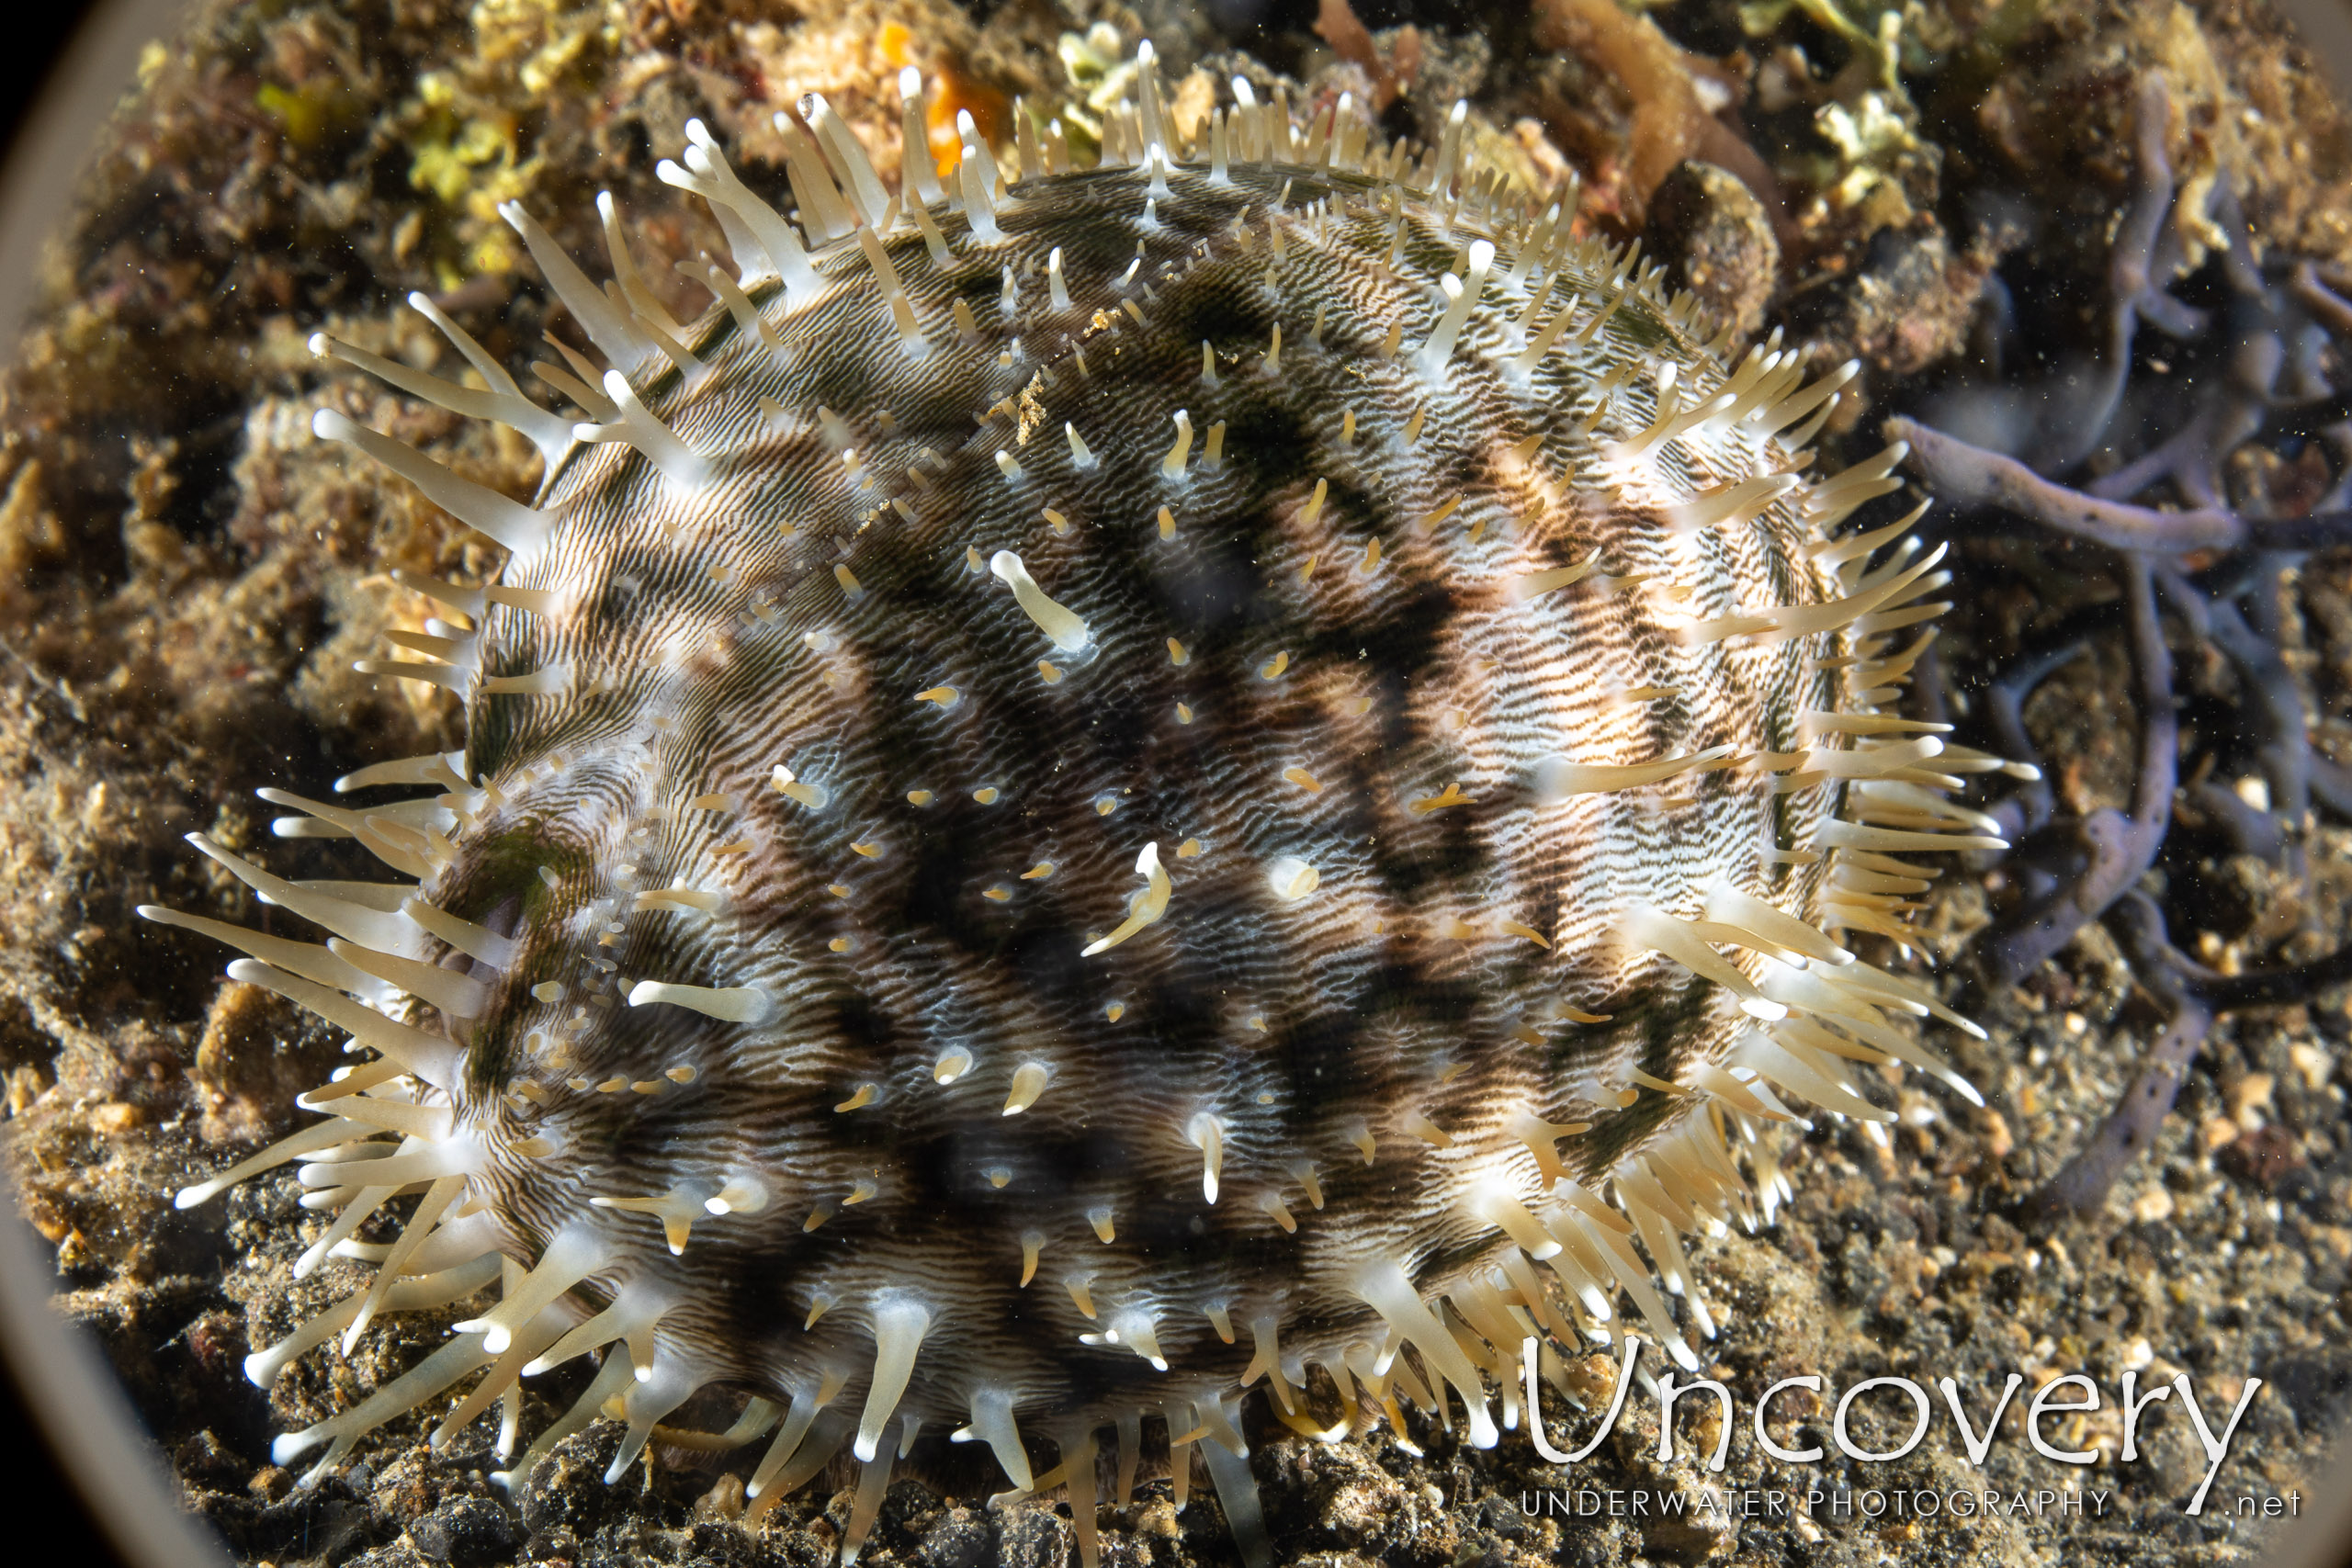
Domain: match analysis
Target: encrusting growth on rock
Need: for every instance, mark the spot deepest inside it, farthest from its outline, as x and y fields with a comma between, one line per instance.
x=1455, y=647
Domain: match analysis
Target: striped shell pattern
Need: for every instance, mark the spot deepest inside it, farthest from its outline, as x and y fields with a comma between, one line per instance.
x=1103, y=788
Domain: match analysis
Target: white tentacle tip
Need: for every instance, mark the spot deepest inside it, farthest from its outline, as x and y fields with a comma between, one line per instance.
x=329, y=425
x=1063, y=626
x=729, y=1004
x=742, y=1195
x=1144, y=909
x=1292, y=878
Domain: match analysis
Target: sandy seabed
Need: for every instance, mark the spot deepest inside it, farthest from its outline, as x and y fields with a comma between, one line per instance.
x=186, y=577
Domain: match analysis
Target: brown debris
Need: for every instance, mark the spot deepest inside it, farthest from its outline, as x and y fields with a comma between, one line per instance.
x=2249, y=107
x=1648, y=67
x=1391, y=71
x=1670, y=123
x=2263, y=1158
x=251, y=1064
x=1717, y=240
x=1913, y=308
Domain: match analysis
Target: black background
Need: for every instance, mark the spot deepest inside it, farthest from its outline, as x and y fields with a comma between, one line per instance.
x=34, y=1495
x=49, y=1525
